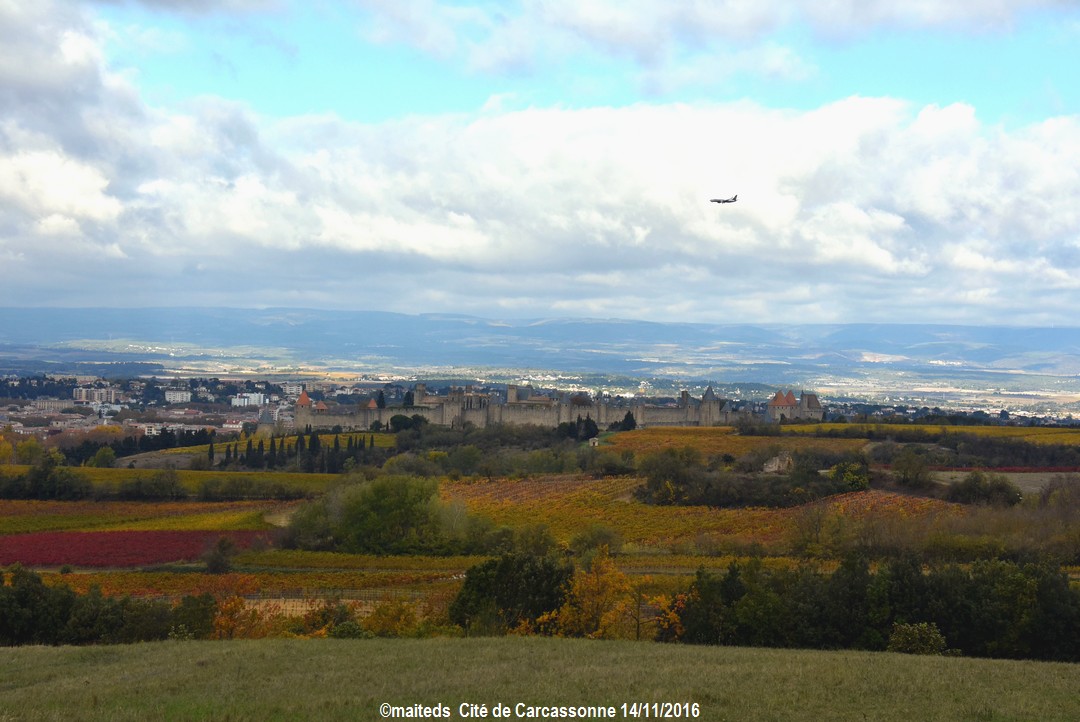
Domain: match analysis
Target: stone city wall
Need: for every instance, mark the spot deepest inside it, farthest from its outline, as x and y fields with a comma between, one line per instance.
x=454, y=412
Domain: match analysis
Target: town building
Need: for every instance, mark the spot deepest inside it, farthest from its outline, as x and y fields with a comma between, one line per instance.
x=90, y=395
x=785, y=407
x=249, y=399
x=177, y=396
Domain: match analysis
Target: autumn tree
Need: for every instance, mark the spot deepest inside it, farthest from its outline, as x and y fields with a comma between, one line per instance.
x=104, y=458
x=910, y=469
x=29, y=451
x=598, y=601
x=236, y=620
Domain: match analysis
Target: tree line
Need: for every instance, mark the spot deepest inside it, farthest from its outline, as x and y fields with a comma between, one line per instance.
x=303, y=452
x=32, y=612
x=991, y=608
x=49, y=480
x=988, y=609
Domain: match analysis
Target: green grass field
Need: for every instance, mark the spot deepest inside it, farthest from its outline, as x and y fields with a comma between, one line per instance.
x=350, y=679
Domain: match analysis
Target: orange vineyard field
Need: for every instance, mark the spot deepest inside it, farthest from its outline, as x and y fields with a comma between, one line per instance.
x=284, y=584
x=569, y=505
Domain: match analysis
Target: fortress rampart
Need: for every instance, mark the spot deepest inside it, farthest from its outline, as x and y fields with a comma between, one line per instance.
x=463, y=406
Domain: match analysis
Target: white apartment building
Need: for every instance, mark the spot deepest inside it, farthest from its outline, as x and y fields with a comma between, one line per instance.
x=96, y=396
x=177, y=396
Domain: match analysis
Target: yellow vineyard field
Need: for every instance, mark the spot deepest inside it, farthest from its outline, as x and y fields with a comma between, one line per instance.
x=192, y=481
x=24, y=516
x=718, y=440
x=1033, y=434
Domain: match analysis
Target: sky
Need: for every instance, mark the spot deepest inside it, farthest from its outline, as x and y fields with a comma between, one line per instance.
x=913, y=162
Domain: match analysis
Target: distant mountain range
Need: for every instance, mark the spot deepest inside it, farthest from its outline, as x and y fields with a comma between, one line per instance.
x=847, y=356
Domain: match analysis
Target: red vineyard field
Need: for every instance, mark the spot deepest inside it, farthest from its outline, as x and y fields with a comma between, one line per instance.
x=117, y=548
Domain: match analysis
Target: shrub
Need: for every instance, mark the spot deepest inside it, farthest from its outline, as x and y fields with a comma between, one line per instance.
x=980, y=488
x=392, y=618
x=594, y=537
x=910, y=469
x=853, y=475
x=917, y=638
x=349, y=630
x=219, y=558
x=504, y=593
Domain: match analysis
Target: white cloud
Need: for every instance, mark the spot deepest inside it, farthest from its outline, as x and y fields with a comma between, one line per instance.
x=199, y=7
x=863, y=209
x=47, y=48
x=845, y=17
x=45, y=183
x=663, y=37
x=57, y=225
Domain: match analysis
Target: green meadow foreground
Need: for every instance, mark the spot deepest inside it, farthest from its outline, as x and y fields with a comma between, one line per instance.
x=351, y=679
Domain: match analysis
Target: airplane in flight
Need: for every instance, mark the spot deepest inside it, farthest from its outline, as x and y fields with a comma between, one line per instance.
x=725, y=200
